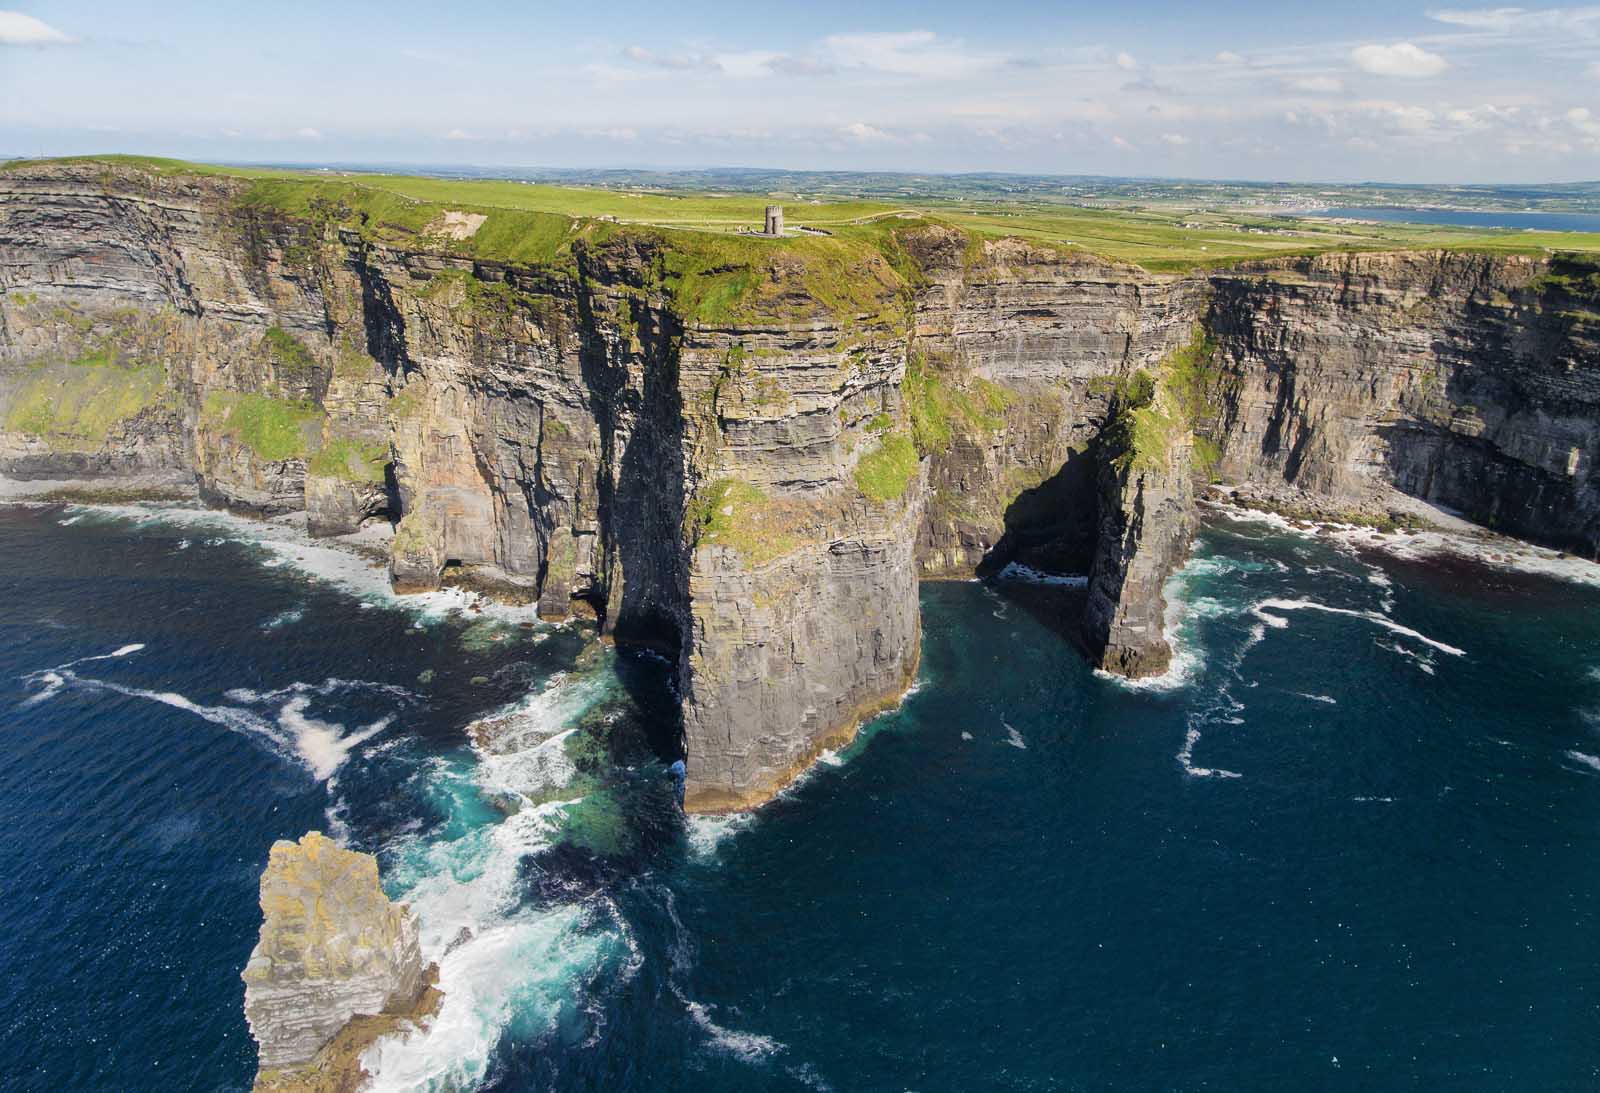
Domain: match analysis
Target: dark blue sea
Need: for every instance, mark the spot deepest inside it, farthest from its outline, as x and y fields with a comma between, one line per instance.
x=1352, y=843
x=1471, y=218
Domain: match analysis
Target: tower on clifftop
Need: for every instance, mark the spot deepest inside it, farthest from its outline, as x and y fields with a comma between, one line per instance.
x=774, y=222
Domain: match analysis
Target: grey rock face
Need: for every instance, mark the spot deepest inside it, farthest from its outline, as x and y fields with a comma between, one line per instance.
x=1147, y=518
x=332, y=946
x=698, y=486
x=1465, y=380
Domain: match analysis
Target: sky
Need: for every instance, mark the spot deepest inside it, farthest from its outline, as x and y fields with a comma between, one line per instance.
x=1343, y=90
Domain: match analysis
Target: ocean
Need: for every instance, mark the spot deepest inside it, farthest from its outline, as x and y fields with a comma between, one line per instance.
x=1352, y=841
x=1470, y=218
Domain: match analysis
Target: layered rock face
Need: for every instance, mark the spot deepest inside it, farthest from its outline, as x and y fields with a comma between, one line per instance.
x=1465, y=380
x=560, y=428
x=1042, y=333
x=754, y=491
x=332, y=947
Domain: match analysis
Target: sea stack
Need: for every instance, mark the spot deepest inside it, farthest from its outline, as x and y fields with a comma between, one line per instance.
x=337, y=965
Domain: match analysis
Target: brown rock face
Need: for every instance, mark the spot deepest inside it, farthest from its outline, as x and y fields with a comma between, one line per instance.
x=332, y=948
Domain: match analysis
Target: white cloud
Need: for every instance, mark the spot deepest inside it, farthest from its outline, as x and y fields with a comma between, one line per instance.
x=459, y=134
x=622, y=133
x=918, y=53
x=1125, y=61
x=1517, y=20
x=1229, y=57
x=1123, y=144
x=1410, y=119
x=1402, y=59
x=17, y=29
x=1177, y=140
x=308, y=133
x=676, y=62
x=1583, y=120
x=1593, y=71
x=786, y=65
x=867, y=134
x=1318, y=85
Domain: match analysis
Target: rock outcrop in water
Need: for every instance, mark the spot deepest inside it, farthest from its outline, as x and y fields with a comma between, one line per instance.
x=744, y=453
x=337, y=965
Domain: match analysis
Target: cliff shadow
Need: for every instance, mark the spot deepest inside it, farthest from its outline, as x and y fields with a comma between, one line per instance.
x=643, y=598
x=1052, y=528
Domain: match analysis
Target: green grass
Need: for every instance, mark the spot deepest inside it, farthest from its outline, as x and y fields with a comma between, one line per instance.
x=79, y=405
x=275, y=429
x=940, y=405
x=736, y=514
x=358, y=461
x=1192, y=372
x=715, y=271
x=288, y=352
x=887, y=471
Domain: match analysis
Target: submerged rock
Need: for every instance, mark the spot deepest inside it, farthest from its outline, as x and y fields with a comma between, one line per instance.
x=337, y=965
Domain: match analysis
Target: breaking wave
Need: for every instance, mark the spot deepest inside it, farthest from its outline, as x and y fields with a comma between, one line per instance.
x=507, y=967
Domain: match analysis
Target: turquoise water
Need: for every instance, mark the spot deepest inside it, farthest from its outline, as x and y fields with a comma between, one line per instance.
x=1472, y=218
x=1353, y=843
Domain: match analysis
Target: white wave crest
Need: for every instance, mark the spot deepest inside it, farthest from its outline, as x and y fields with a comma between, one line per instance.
x=505, y=968
x=1014, y=738
x=706, y=834
x=285, y=545
x=521, y=748
x=1591, y=761
x=1177, y=621
x=750, y=1046
x=1185, y=758
x=1423, y=660
x=1261, y=611
x=284, y=618
x=1016, y=571
x=321, y=747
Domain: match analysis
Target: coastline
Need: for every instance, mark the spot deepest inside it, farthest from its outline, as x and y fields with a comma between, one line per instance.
x=1444, y=535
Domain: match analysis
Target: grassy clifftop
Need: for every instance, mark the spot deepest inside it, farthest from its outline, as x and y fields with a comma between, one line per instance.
x=855, y=269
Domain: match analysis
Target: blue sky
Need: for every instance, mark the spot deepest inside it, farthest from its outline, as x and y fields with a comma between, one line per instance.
x=1348, y=90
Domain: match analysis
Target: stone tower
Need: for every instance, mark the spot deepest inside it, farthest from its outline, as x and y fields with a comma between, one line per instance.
x=774, y=224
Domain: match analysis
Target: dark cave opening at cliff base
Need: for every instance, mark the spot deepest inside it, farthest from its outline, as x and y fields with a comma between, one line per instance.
x=1051, y=528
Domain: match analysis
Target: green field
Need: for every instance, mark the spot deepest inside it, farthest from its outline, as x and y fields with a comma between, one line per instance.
x=536, y=222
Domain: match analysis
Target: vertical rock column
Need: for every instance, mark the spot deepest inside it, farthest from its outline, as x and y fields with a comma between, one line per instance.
x=1147, y=519
x=332, y=947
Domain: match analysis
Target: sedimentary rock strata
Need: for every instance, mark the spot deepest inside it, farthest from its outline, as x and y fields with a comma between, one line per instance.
x=332, y=949
x=747, y=460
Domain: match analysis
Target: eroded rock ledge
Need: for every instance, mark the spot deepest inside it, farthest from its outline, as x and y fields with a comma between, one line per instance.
x=336, y=967
x=745, y=453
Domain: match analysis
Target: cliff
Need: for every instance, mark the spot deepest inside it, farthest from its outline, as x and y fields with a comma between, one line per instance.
x=1463, y=380
x=337, y=965
x=745, y=452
